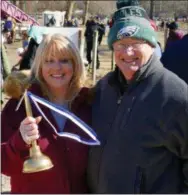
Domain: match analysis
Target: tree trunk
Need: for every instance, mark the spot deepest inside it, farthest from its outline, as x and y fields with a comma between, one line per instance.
x=22, y=5
x=160, y=6
x=13, y=2
x=151, y=9
x=86, y=11
x=70, y=9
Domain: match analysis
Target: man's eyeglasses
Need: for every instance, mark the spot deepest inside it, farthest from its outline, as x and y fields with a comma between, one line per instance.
x=122, y=47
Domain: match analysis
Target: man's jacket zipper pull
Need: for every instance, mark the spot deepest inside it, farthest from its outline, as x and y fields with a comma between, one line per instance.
x=119, y=100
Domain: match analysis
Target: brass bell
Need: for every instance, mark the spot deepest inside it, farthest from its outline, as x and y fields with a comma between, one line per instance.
x=37, y=161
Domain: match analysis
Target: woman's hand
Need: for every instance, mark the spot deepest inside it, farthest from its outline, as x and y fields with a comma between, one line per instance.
x=29, y=129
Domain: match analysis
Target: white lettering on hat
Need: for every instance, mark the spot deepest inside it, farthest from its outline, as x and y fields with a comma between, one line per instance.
x=130, y=11
x=127, y=31
x=135, y=12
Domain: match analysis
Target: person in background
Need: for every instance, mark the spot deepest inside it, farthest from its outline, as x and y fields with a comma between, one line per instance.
x=175, y=58
x=162, y=25
x=25, y=40
x=51, y=22
x=174, y=33
x=140, y=113
x=57, y=75
x=8, y=24
x=91, y=26
x=7, y=29
x=101, y=31
x=153, y=24
x=29, y=54
x=21, y=51
x=70, y=23
x=110, y=22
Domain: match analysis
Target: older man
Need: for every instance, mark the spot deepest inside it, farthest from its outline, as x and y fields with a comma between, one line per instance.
x=140, y=113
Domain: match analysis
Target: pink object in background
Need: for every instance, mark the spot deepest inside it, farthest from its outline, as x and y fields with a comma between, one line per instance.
x=11, y=10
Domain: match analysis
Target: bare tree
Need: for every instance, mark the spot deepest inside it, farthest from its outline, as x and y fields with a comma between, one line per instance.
x=20, y=4
x=86, y=11
x=14, y=2
x=151, y=8
x=70, y=9
x=159, y=8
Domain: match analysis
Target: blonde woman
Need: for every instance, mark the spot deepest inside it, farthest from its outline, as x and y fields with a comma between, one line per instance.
x=58, y=76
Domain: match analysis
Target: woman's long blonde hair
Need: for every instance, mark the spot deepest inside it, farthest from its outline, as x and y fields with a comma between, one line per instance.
x=57, y=46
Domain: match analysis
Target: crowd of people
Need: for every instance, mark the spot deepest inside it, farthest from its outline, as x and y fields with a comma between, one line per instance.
x=138, y=112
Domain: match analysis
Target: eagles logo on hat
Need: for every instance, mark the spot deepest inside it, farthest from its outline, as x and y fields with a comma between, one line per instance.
x=127, y=31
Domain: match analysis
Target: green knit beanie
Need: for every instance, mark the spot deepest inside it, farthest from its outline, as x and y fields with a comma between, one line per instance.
x=131, y=21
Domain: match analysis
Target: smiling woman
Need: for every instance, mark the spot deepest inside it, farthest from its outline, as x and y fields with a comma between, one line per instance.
x=57, y=75
x=59, y=55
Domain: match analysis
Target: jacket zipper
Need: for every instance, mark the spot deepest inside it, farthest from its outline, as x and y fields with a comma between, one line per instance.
x=99, y=170
x=119, y=100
